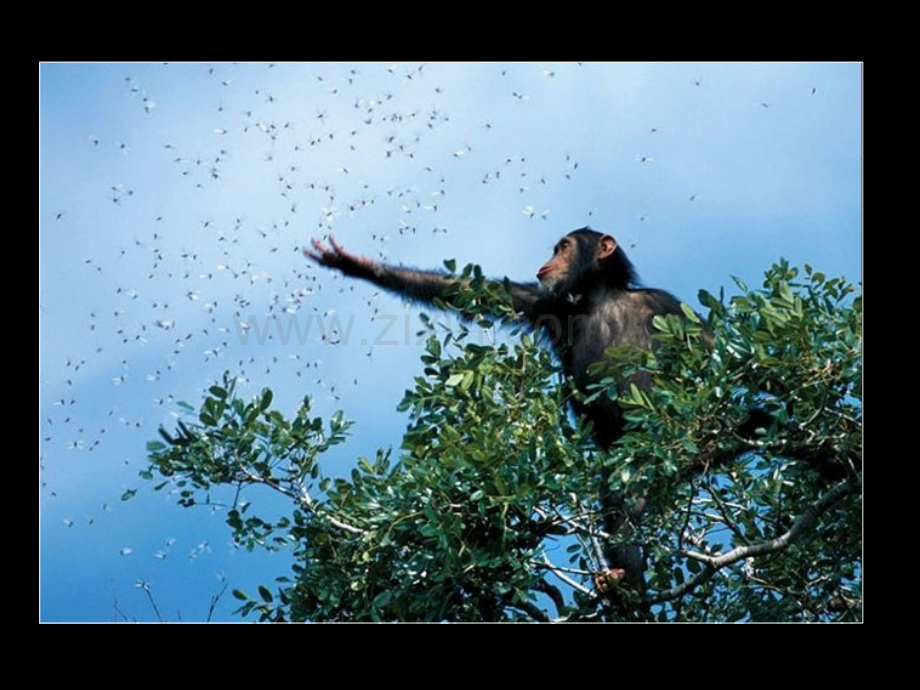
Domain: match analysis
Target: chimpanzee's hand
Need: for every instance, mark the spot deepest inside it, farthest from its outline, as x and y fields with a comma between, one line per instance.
x=336, y=257
x=609, y=580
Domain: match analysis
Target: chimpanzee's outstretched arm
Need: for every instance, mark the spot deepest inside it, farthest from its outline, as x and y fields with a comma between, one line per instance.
x=423, y=286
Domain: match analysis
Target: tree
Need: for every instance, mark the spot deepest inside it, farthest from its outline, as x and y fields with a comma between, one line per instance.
x=493, y=508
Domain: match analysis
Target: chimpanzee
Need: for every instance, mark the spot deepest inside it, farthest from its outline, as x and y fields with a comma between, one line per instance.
x=586, y=301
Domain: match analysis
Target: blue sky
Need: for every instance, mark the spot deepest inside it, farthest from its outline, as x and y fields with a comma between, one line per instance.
x=174, y=200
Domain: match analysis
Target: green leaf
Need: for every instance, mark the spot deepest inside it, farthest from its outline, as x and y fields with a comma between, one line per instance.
x=454, y=380
x=265, y=594
x=637, y=395
x=689, y=313
x=709, y=301
x=690, y=446
x=128, y=494
x=267, y=396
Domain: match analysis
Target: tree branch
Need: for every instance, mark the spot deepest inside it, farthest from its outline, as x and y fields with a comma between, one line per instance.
x=308, y=503
x=567, y=580
x=531, y=610
x=801, y=526
x=553, y=593
x=304, y=498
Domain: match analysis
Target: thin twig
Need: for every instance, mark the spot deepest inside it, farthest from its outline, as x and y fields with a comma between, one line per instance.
x=146, y=587
x=214, y=600
x=720, y=505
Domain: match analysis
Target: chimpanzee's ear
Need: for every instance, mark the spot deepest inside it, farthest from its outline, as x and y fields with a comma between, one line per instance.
x=606, y=246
